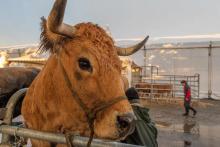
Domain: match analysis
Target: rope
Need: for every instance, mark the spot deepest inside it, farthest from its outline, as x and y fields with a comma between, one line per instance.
x=90, y=113
x=69, y=138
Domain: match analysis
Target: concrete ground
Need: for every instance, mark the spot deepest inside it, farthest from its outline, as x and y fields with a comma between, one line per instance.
x=175, y=130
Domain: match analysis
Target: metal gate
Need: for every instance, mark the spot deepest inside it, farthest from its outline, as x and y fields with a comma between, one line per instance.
x=152, y=85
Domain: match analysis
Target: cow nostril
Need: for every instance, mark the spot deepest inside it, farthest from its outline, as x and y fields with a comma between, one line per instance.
x=124, y=121
x=126, y=124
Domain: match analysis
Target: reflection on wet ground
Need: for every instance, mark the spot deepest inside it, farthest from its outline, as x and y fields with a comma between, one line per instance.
x=188, y=134
x=174, y=130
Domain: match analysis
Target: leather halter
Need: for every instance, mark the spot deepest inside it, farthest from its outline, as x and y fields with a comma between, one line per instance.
x=90, y=113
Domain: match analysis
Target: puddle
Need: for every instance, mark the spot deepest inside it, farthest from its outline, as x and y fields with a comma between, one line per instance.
x=188, y=134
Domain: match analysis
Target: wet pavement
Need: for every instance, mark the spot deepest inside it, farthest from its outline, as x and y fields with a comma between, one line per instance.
x=175, y=130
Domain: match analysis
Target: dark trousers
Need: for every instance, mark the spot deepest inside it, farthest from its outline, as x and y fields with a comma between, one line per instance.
x=188, y=107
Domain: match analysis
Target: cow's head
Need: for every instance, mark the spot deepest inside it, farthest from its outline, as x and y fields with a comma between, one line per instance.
x=91, y=61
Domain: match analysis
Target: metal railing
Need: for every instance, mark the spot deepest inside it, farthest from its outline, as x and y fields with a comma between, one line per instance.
x=166, y=85
x=78, y=141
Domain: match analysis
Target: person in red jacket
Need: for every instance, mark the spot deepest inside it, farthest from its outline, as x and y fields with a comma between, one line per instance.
x=187, y=98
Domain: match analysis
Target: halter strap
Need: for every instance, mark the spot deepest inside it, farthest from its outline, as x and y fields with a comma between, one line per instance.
x=90, y=113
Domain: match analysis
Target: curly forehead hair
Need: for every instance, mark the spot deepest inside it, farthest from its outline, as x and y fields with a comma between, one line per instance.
x=104, y=45
x=94, y=33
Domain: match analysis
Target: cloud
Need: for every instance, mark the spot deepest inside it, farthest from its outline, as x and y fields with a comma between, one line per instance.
x=206, y=36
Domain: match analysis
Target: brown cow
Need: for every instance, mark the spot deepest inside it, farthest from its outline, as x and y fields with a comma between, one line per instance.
x=13, y=79
x=83, y=73
x=158, y=89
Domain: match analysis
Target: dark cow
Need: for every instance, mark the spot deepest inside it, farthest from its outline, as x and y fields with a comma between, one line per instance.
x=13, y=79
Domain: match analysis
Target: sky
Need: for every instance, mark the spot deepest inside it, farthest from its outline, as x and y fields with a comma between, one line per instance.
x=20, y=19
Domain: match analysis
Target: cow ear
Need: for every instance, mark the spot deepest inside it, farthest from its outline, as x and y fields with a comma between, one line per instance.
x=49, y=40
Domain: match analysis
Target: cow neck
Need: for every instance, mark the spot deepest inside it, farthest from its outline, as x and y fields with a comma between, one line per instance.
x=89, y=112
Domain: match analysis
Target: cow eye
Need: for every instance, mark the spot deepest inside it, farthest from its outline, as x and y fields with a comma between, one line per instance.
x=84, y=64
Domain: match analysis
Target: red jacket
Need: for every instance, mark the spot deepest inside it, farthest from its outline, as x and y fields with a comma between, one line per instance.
x=187, y=93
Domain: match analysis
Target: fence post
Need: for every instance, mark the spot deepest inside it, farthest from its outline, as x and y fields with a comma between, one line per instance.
x=174, y=86
x=198, y=85
x=145, y=61
x=210, y=70
x=152, y=88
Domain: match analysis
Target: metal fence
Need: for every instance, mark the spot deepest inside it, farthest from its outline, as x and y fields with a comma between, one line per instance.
x=154, y=85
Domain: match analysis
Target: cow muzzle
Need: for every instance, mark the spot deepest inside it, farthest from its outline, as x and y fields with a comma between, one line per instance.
x=125, y=124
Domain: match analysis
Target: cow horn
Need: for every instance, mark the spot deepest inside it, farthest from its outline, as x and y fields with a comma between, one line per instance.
x=55, y=20
x=131, y=50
